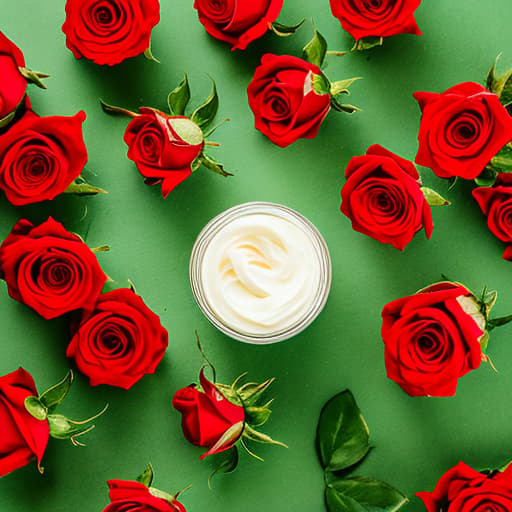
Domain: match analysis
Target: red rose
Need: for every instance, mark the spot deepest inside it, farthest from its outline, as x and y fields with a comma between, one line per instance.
x=13, y=85
x=461, y=130
x=237, y=23
x=496, y=203
x=50, y=269
x=109, y=31
x=163, y=147
x=462, y=489
x=283, y=101
x=383, y=199
x=24, y=438
x=432, y=338
x=41, y=156
x=207, y=415
x=383, y=18
x=128, y=496
x=119, y=341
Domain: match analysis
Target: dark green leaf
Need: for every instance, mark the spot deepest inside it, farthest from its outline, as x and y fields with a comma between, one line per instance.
x=359, y=494
x=213, y=165
x=368, y=42
x=36, y=409
x=206, y=113
x=487, y=177
x=52, y=397
x=314, y=52
x=433, y=198
x=146, y=478
x=342, y=434
x=229, y=462
x=179, y=98
x=343, y=107
x=285, y=30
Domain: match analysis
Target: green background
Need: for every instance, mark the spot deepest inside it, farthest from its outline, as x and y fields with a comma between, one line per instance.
x=416, y=439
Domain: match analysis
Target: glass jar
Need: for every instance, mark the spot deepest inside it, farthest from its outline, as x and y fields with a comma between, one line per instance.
x=321, y=258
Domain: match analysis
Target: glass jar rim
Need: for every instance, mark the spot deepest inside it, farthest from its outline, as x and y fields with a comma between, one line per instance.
x=216, y=224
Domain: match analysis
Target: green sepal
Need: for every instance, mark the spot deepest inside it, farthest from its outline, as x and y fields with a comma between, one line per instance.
x=214, y=166
x=228, y=465
x=343, y=107
x=487, y=177
x=502, y=162
x=7, y=120
x=500, y=85
x=257, y=416
x=65, y=428
x=36, y=408
x=433, y=198
x=487, y=301
x=484, y=341
x=116, y=111
x=149, y=55
x=146, y=478
x=260, y=437
x=80, y=187
x=358, y=494
x=178, y=98
x=34, y=77
x=284, y=30
x=367, y=43
x=252, y=392
x=205, y=113
x=342, y=86
x=342, y=435
x=492, y=323
x=54, y=396
x=316, y=50
x=321, y=84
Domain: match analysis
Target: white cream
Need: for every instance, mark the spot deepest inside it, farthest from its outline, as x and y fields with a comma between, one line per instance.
x=260, y=274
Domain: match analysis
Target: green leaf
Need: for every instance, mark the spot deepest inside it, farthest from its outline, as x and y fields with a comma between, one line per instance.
x=343, y=107
x=7, y=120
x=487, y=177
x=367, y=43
x=342, y=434
x=205, y=114
x=52, y=397
x=228, y=464
x=285, y=30
x=179, y=98
x=358, y=494
x=342, y=86
x=214, y=166
x=36, y=409
x=433, y=198
x=315, y=51
x=146, y=478
x=81, y=188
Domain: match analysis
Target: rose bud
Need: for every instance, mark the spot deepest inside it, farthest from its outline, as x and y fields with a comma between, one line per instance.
x=436, y=336
x=384, y=199
x=167, y=148
x=163, y=147
x=496, y=203
x=40, y=157
x=362, y=19
x=50, y=269
x=24, y=438
x=139, y=496
x=221, y=417
x=15, y=77
x=462, y=489
x=29, y=420
x=111, y=31
x=237, y=23
x=461, y=130
x=119, y=341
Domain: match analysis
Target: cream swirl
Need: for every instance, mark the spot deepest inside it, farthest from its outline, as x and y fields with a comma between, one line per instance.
x=260, y=274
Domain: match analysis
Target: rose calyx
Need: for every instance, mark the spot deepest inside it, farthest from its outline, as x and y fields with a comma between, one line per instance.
x=43, y=408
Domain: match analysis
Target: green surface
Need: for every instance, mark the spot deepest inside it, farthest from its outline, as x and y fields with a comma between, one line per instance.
x=416, y=439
